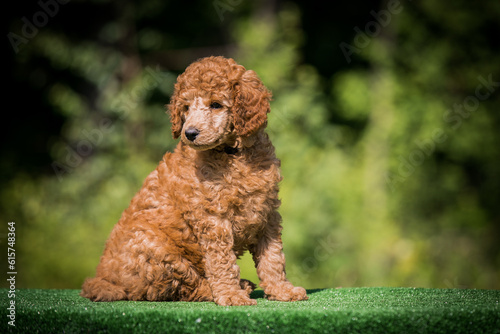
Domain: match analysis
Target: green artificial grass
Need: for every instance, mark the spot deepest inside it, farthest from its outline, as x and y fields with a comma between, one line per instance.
x=358, y=310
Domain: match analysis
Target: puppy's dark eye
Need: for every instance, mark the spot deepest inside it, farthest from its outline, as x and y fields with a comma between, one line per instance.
x=215, y=105
x=186, y=107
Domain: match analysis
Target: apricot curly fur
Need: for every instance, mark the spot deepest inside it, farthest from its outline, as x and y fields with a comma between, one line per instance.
x=206, y=203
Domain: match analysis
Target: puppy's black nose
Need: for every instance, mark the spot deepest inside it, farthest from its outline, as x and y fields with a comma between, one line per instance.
x=191, y=134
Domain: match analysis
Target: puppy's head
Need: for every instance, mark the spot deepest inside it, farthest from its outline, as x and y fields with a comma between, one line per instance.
x=216, y=100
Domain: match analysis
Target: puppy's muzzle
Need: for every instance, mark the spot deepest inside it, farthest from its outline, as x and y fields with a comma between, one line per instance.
x=191, y=134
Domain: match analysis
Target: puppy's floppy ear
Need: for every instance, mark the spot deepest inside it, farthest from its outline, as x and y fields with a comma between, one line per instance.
x=174, y=108
x=251, y=104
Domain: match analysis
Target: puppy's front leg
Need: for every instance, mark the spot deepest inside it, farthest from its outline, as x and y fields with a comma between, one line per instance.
x=270, y=262
x=221, y=270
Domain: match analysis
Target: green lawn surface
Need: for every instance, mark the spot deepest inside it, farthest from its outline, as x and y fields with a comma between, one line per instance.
x=344, y=310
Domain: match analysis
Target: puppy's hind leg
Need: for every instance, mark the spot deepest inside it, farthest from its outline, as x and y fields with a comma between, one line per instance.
x=247, y=285
x=100, y=290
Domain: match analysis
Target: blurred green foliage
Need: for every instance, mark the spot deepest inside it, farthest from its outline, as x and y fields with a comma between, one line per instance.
x=391, y=163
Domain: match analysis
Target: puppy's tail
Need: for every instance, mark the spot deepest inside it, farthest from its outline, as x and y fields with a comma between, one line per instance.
x=100, y=290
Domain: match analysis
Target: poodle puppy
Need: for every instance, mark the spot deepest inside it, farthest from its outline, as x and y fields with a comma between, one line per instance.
x=206, y=203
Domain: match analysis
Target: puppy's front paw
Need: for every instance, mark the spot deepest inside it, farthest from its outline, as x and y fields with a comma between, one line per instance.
x=235, y=298
x=287, y=293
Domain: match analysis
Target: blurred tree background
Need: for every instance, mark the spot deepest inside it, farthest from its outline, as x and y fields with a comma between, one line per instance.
x=385, y=115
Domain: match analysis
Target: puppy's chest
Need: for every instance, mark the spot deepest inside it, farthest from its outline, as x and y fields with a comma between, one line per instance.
x=241, y=191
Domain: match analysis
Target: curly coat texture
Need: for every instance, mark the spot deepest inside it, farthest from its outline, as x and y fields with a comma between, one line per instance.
x=206, y=203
